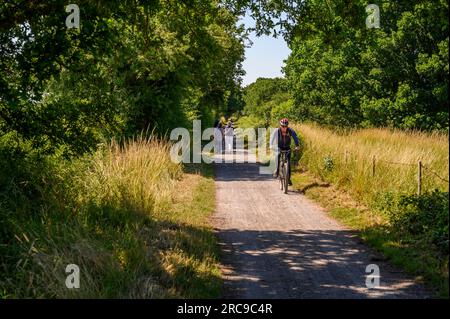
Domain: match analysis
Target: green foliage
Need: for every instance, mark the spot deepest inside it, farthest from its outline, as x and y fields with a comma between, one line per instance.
x=340, y=73
x=132, y=65
x=251, y=122
x=263, y=97
x=422, y=217
x=64, y=94
x=282, y=109
x=343, y=74
x=235, y=102
x=328, y=163
x=116, y=216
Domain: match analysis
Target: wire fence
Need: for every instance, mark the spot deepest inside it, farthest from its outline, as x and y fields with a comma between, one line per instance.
x=397, y=163
x=434, y=173
x=420, y=168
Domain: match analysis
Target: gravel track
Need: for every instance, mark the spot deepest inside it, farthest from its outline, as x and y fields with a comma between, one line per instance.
x=277, y=245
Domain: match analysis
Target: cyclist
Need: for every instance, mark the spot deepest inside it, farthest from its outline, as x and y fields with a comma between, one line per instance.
x=282, y=138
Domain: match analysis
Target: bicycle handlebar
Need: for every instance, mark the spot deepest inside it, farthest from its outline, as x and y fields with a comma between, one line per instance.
x=287, y=151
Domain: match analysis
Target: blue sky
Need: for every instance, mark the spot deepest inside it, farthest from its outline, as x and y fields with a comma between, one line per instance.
x=265, y=57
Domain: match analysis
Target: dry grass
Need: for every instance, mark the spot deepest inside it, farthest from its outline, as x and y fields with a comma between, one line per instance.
x=137, y=173
x=352, y=151
x=132, y=220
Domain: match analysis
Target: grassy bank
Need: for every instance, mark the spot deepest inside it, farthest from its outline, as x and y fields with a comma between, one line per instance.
x=411, y=231
x=346, y=159
x=134, y=222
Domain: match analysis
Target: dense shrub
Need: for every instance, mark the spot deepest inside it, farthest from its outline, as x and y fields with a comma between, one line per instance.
x=422, y=217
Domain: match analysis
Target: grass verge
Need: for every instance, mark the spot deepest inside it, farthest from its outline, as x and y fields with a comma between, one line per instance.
x=416, y=257
x=134, y=222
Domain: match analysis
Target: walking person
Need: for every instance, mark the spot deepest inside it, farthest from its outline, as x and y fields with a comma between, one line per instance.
x=229, y=136
x=218, y=137
x=222, y=130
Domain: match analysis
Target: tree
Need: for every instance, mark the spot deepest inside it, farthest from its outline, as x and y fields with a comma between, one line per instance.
x=132, y=65
x=343, y=74
x=264, y=94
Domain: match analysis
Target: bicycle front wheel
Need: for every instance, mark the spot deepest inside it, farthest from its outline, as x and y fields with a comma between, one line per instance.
x=281, y=179
x=286, y=179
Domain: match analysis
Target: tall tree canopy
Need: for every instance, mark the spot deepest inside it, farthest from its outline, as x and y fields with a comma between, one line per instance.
x=132, y=65
x=136, y=64
x=342, y=73
x=263, y=96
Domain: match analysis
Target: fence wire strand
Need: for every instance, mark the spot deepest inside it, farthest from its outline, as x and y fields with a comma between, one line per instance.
x=434, y=173
x=422, y=167
x=347, y=155
x=396, y=163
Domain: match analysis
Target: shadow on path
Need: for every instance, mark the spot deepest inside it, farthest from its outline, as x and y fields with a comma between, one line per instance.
x=305, y=264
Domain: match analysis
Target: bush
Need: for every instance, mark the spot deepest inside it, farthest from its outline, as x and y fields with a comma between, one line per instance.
x=328, y=163
x=422, y=217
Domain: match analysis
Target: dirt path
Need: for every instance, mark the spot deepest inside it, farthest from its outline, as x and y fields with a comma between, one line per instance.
x=284, y=246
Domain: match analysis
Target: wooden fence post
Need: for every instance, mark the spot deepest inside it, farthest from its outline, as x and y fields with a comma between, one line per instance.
x=419, y=179
x=373, y=166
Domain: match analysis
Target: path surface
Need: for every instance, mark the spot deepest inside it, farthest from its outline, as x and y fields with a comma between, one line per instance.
x=277, y=245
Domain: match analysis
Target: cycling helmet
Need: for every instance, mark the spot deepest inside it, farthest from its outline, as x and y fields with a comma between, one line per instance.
x=284, y=122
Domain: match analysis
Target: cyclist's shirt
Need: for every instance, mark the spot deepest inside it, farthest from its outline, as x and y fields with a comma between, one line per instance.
x=284, y=141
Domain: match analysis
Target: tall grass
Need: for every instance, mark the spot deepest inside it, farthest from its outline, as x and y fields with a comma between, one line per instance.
x=136, y=175
x=345, y=158
x=124, y=215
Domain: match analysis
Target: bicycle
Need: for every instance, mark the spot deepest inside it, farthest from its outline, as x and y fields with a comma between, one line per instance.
x=284, y=171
